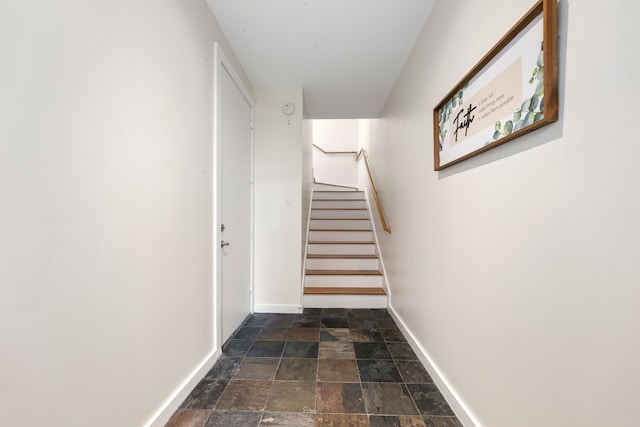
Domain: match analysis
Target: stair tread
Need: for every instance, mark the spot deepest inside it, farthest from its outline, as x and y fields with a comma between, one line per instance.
x=339, y=209
x=341, y=229
x=322, y=242
x=343, y=291
x=343, y=219
x=317, y=272
x=337, y=200
x=338, y=256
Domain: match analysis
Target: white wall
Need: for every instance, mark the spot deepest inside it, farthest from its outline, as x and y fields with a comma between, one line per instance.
x=517, y=271
x=105, y=218
x=278, y=200
x=335, y=135
x=307, y=182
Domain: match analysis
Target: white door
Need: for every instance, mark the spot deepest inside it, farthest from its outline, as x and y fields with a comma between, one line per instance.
x=235, y=204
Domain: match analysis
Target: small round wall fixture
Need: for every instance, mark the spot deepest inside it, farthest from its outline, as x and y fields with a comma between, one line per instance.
x=288, y=108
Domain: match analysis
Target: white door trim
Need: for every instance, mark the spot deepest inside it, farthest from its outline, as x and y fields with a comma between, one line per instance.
x=220, y=61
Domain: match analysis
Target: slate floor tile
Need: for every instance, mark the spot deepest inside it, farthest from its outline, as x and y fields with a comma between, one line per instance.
x=188, y=418
x=429, y=400
x=396, y=421
x=335, y=334
x=338, y=370
x=401, y=351
x=386, y=323
x=412, y=371
x=365, y=335
x=362, y=323
x=247, y=333
x=280, y=320
x=378, y=371
x=297, y=370
x=335, y=398
x=234, y=418
x=273, y=334
x=224, y=368
x=335, y=312
x=341, y=420
x=435, y=421
x=236, y=348
x=205, y=395
x=371, y=350
x=266, y=349
x=303, y=334
x=334, y=322
x=388, y=398
x=301, y=350
x=392, y=335
x=336, y=350
x=287, y=419
x=257, y=319
x=257, y=368
x=292, y=396
x=304, y=321
x=244, y=396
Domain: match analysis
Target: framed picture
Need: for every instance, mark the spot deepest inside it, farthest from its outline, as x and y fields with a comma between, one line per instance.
x=512, y=91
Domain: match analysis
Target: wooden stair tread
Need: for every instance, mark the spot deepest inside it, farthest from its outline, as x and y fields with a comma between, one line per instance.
x=342, y=219
x=341, y=230
x=344, y=291
x=331, y=256
x=339, y=209
x=339, y=243
x=338, y=200
x=343, y=273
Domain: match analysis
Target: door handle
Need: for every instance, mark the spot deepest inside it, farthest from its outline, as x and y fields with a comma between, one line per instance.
x=223, y=243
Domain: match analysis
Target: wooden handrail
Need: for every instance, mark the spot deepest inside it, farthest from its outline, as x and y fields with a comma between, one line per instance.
x=363, y=154
x=336, y=152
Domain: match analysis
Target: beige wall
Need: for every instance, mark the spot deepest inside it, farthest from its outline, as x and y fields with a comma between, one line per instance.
x=105, y=218
x=278, y=200
x=517, y=271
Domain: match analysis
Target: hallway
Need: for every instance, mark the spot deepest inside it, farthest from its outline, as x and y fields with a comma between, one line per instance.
x=324, y=367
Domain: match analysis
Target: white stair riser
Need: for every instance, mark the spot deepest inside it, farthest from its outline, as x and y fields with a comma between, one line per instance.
x=341, y=249
x=340, y=224
x=329, y=187
x=340, y=236
x=339, y=204
x=342, y=281
x=342, y=195
x=345, y=301
x=340, y=213
x=343, y=264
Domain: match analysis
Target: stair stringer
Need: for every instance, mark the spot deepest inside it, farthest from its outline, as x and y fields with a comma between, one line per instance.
x=385, y=279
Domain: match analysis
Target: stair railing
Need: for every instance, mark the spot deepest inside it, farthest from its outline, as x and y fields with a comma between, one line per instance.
x=336, y=152
x=363, y=155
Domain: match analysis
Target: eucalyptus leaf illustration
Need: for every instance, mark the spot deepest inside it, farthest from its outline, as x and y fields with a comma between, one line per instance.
x=496, y=135
x=529, y=119
x=508, y=127
x=497, y=127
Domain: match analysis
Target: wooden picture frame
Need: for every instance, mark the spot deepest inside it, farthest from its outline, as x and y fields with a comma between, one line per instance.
x=510, y=92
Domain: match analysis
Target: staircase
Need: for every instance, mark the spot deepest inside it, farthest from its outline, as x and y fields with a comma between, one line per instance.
x=342, y=268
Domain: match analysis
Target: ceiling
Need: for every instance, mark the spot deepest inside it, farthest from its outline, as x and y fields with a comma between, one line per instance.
x=345, y=54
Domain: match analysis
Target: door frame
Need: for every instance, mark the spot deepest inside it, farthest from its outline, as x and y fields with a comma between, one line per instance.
x=221, y=63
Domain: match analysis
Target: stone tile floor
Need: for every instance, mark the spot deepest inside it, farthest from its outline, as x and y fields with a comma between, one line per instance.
x=323, y=368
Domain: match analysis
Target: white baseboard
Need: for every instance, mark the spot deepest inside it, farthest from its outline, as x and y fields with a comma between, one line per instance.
x=457, y=405
x=172, y=404
x=273, y=308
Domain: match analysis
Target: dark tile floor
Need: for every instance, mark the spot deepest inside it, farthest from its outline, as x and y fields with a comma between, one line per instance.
x=324, y=367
